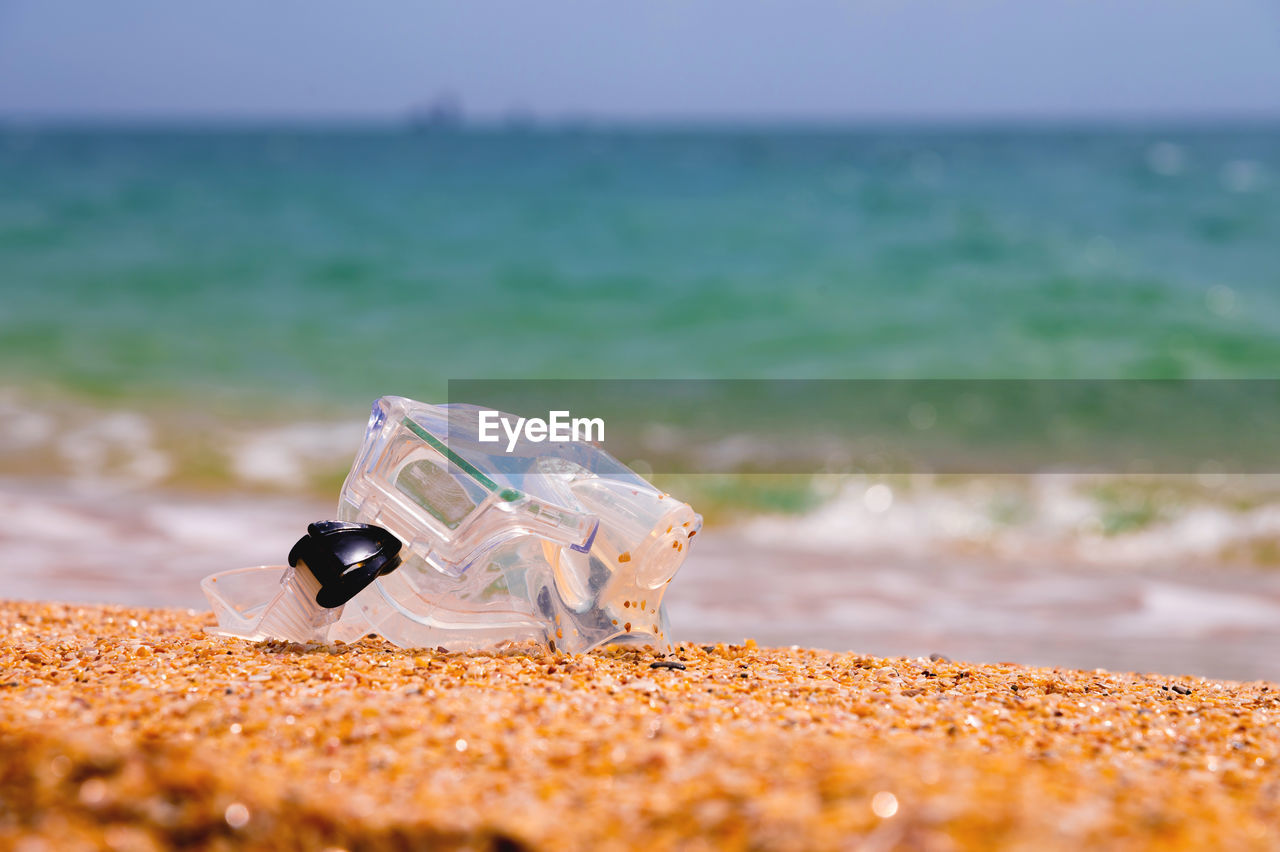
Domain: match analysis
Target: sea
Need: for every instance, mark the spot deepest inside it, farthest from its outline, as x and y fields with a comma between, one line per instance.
x=194, y=320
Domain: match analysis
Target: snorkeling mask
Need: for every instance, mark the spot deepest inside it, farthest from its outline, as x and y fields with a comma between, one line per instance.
x=444, y=539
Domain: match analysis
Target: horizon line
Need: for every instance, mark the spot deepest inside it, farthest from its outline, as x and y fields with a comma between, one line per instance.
x=531, y=121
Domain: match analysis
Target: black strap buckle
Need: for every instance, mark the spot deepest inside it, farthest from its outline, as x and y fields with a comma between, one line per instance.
x=345, y=558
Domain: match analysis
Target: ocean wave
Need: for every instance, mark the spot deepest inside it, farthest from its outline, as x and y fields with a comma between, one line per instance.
x=1114, y=520
x=93, y=445
x=1062, y=518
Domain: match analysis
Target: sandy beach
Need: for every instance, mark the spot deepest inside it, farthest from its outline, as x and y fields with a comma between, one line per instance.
x=133, y=729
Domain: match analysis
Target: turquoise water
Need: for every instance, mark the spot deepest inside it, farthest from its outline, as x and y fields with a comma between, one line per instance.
x=332, y=266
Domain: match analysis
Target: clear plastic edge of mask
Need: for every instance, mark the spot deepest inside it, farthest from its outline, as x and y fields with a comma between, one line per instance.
x=557, y=544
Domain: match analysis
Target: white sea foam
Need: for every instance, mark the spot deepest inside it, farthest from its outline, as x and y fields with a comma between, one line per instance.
x=22, y=427
x=1194, y=612
x=103, y=447
x=1044, y=516
x=118, y=444
x=286, y=456
x=138, y=547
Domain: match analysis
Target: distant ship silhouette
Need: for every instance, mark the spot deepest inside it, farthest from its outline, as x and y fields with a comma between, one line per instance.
x=442, y=113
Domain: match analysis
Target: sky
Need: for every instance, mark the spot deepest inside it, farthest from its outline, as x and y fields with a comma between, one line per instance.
x=641, y=59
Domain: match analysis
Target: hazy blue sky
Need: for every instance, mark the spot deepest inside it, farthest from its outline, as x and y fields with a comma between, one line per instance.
x=642, y=58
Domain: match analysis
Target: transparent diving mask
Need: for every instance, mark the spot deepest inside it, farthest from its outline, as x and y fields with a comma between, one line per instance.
x=516, y=540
